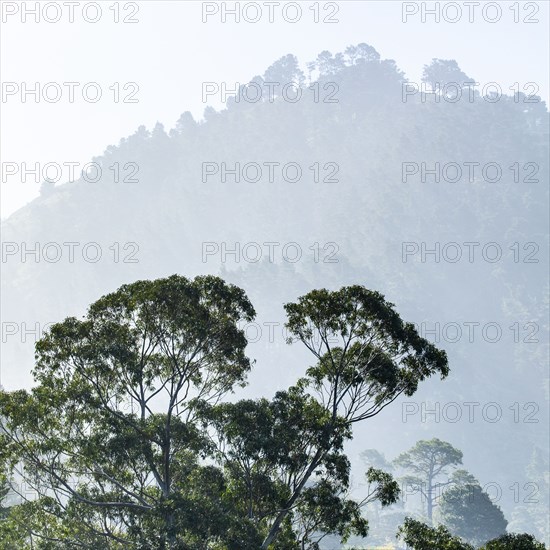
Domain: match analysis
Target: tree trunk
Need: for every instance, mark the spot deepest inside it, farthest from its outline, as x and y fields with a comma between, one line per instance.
x=283, y=513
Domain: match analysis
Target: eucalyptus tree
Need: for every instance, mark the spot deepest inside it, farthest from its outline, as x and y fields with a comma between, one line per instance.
x=128, y=438
x=365, y=358
x=108, y=437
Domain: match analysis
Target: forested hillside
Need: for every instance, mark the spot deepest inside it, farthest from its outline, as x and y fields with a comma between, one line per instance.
x=358, y=130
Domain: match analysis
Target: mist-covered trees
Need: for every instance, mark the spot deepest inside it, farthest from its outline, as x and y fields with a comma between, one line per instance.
x=419, y=536
x=370, y=131
x=468, y=512
x=285, y=71
x=515, y=541
x=531, y=514
x=426, y=463
x=127, y=437
x=459, y=503
x=383, y=521
x=47, y=188
x=443, y=72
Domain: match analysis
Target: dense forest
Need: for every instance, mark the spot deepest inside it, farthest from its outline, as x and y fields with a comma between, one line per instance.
x=363, y=211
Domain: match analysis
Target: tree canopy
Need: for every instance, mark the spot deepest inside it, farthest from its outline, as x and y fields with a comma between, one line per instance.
x=515, y=541
x=419, y=536
x=129, y=438
x=468, y=512
x=426, y=462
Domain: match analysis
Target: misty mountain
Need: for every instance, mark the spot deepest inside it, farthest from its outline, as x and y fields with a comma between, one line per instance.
x=341, y=182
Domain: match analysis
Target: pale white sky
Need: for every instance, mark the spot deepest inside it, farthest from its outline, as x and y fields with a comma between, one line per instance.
x=170, y=52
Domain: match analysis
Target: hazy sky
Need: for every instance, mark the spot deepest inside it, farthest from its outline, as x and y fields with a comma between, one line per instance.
x=170, y=52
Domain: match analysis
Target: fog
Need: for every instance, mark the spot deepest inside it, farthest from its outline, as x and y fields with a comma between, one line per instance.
x=372, y=148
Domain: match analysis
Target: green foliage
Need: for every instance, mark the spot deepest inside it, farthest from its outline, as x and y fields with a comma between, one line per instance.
x=419, y=536
x=110, y=429
x=468, y=512
x=361, y=342
x=387, y=489
x=290, y=449
x=127, y=440
x=384, y=519
x=4, y=490
x=366, y=358
x=514, y=541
